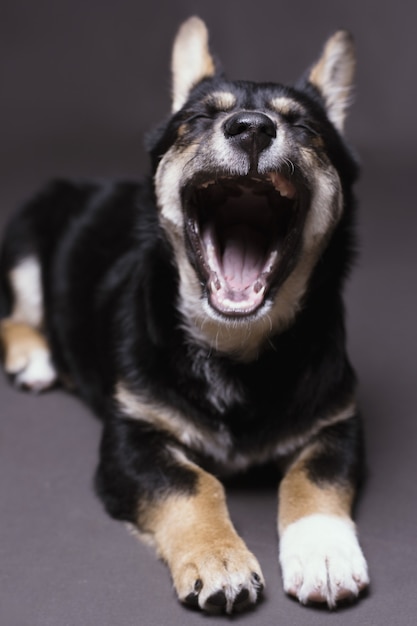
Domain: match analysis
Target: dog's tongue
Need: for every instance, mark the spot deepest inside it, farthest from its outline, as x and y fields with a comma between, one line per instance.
x=236, y=264
x=241, y=261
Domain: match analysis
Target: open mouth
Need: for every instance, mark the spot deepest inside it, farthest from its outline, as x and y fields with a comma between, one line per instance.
x=243, y=234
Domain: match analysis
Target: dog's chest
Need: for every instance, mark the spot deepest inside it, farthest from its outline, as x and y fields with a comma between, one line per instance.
x=221, y=388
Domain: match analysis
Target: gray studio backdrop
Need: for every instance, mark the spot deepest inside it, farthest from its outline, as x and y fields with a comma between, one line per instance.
x=81, y=84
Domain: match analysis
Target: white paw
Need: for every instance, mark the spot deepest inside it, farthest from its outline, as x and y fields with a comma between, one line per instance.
x=321, y=560
x=34, y=370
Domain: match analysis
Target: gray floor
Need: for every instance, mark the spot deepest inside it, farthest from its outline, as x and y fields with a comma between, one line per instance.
x=63, y=562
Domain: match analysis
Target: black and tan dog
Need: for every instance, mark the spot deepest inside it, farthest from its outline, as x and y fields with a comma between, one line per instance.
x=200, y=314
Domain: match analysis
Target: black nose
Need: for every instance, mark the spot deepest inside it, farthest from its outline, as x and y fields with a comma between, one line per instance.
x=251, y=130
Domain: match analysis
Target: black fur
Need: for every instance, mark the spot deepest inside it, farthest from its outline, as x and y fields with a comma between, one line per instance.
x=110, y=306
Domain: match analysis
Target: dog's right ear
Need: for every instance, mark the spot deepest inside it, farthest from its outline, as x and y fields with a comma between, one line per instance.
x=333, y=76
x=191, y=60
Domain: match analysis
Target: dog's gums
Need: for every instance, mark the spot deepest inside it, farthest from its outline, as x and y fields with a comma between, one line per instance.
x=239, y=229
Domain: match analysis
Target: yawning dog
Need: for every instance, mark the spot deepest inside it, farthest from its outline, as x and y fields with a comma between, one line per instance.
x=200, y=314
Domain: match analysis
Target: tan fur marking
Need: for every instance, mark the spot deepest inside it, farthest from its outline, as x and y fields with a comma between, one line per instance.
x=285, y=106
x=194, y=535
x=181, y=130
x=299, y=496
x=214, y=444
x=168, y=419
x=221, y=100
x=19, y=341
x=205, y=512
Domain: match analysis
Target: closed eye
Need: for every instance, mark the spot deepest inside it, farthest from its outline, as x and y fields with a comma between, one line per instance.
x=296, y=120
x=307, y=127
x=198, y=116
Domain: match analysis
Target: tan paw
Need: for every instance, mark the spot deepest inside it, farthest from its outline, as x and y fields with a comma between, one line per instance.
x=27, y=357
x=218, y=578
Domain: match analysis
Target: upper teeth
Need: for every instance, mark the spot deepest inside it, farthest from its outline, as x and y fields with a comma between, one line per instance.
x=282, y=185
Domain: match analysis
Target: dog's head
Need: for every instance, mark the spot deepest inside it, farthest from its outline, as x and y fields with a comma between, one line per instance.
x=250, y=182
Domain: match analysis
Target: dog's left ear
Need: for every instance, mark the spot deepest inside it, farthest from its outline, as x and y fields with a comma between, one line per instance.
x=191, y=60
x=333, y=76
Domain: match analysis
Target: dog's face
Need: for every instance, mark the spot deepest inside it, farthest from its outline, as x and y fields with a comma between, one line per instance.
x=249, y=188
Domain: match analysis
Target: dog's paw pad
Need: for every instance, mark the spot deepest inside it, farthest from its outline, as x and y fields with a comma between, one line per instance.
x=222, y=580
x=217, y=600
x=322, y=561
x=242, y=600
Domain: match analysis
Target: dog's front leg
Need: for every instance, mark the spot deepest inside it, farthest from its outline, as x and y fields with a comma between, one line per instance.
x=320, y=556
x=145, y=479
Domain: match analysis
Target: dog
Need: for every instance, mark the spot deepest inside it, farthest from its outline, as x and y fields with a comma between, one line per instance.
x=200, y=314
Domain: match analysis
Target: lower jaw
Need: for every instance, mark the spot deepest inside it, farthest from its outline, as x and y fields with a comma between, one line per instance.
x=233, y=308
x=234, y=305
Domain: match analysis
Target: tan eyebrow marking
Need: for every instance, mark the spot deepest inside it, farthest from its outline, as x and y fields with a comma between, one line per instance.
x=222, y=100
x=285, y=105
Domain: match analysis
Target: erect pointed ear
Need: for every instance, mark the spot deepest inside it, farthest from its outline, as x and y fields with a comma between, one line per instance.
x=333, y=75
x=191, y=60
